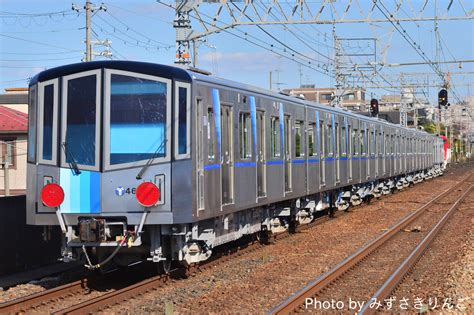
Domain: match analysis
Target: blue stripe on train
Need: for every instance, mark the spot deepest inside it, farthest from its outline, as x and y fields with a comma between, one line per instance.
x=245, y=164
x=81, y=192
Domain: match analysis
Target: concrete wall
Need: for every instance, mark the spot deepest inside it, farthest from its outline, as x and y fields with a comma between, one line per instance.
x=24, y=246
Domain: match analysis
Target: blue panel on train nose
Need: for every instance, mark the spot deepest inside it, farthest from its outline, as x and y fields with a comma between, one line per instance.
x=81, y=192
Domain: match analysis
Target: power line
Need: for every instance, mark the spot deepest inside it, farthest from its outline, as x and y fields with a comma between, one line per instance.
x=45, y=31
x=139, y=14
x=273, y=37
x=13, y=81
x=135, y=31
x=299, y=38
x=38, y=43
x=19, y=14
x=27, y=60
x=41, y=53
x=128, y=42
x=256, y=41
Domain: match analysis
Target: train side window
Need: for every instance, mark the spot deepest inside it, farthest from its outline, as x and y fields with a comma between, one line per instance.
x=369, y=143
x=210, y=134
x=329, y=143
x=376, y=143
x=355, y=144
x=362, y=142
x=391, y=145
x=337, y=139
x=311, y=148
x=380, y=144
x=245, y=135
x=275, y=137
x=182, y=120
x=299, y=149
x=372, y=142
x=322, y=139
x=343, y=141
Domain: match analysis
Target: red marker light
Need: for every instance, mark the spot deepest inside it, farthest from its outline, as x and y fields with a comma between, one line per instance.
x=147, y=194
x=52, y=195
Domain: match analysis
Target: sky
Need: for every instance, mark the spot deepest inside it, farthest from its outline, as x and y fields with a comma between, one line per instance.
x=38, y=35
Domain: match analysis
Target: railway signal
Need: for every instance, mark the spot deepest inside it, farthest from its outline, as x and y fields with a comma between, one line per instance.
x=374, y=107
x=443, y=97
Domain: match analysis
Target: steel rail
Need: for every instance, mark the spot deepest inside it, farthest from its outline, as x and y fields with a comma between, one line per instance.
x=397, y=277
x=297, y=300
x=111, y=298
x=22, y=304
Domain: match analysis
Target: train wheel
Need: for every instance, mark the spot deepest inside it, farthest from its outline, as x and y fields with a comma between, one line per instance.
x=263, y=236
x=164, y=267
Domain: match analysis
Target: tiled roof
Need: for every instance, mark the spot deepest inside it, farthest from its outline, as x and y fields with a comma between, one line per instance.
x=12, y=120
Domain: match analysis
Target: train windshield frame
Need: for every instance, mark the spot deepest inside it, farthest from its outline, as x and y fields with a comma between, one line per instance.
x=137, y=119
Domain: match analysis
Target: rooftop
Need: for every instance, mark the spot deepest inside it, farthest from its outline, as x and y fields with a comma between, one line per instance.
x=12, y=120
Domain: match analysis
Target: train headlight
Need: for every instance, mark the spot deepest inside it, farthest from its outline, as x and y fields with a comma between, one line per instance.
x=148, y=194
x=52, y=195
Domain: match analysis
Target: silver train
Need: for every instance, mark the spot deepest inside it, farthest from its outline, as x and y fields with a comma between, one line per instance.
x=139, y=161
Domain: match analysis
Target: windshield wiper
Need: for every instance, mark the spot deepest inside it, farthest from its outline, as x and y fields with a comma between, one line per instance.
x=72, y=162
x=152, y=158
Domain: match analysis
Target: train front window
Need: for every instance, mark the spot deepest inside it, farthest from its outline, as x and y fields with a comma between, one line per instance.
x=138, y=117
x=47, y=121
x=81, y=101
x=32, y=124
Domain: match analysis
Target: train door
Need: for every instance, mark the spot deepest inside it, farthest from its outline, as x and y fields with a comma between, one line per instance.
x=367, y=141
x=322, y=153
x=376, y=152
x=287, y=128
x=362, y=153
x=261, y=159
x=350, y=139
x=227, y=178
x=337, y=153
x=383, y=143
x=200, y=154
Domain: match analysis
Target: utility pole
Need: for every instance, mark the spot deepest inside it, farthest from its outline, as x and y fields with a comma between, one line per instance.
x=89, y=9
x=6, y=168
x=88, y=32
x=195, y=54
x=336, y=101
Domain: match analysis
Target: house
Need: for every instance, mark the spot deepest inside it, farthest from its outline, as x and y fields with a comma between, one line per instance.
x=13, y=140
x=353, y=99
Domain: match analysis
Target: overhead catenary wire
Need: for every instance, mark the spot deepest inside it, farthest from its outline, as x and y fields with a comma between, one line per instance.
x=36, y=42
x=258, y=42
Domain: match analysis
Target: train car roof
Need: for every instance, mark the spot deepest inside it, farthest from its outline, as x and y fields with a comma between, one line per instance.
x=165, y=71
x=236, y=85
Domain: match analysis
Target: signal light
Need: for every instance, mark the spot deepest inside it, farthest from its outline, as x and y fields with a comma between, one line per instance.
x=148, y=194
x=52, y=195
x=443, y=97
x=374, y=107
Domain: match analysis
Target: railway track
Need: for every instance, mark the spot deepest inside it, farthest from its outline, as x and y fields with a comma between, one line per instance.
x=41, y=299
x=117, y=296
x=30, y=302
x=332, y=281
